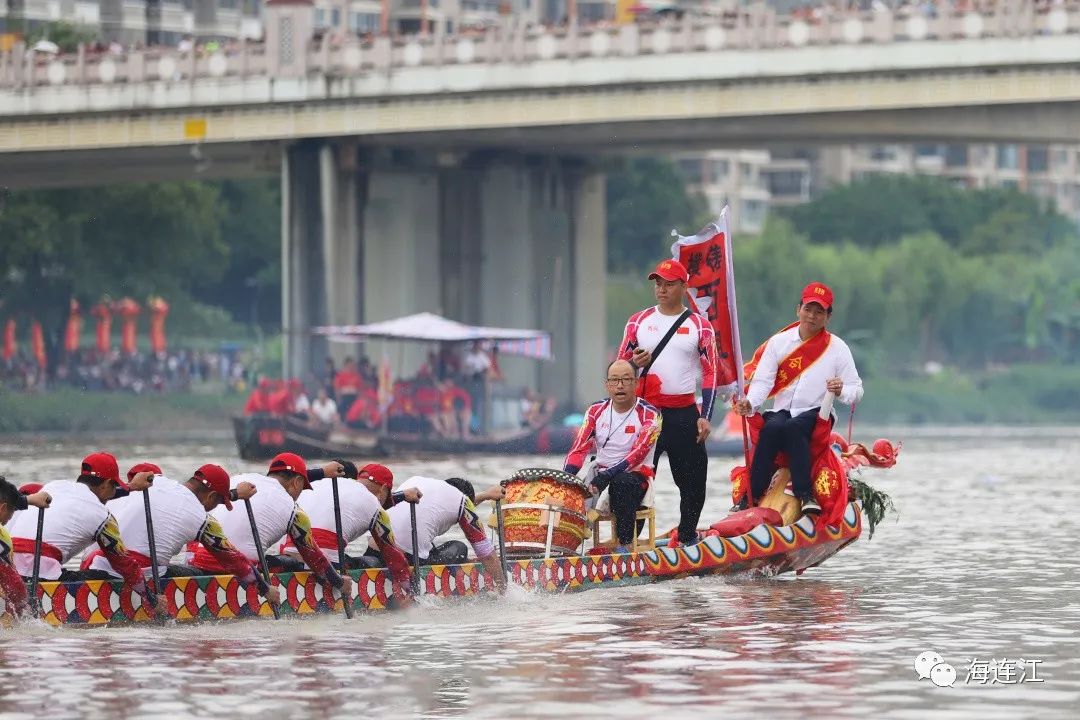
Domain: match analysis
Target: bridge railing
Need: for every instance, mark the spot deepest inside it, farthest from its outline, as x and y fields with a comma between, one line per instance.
x=753, y=28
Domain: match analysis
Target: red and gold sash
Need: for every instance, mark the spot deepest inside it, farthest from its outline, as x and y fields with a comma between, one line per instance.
x=798, y=360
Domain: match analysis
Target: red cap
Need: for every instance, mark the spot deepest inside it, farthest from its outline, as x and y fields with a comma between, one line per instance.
x=31, y=488
x=670, y=270
x=290, y=462
x=142, y=467
x=818, y=293
x=380, y=474
x=214, y=477
x=103, y=465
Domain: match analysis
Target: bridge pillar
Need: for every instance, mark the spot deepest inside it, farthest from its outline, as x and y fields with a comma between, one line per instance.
x=508, y=241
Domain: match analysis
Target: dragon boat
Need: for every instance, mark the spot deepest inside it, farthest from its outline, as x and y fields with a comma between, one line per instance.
x=765, y=549
x=546, y=523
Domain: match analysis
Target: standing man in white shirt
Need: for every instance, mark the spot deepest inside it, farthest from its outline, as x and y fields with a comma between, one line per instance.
x=796, y=367
x=668, y=381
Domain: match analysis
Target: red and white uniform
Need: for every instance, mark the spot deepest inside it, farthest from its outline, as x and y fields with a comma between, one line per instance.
x=75, y=520
x=807, y=392
x=441, y=507
x=688, y=356
x=360, y=513
x=621, y=442
x=179, y=518
x=276, y=515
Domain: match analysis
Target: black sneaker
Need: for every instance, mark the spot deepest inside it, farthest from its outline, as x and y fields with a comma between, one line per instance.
x=810, y=507
x=739, y=506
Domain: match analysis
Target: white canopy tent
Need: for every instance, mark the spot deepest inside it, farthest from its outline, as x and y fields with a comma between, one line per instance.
x=429, y=327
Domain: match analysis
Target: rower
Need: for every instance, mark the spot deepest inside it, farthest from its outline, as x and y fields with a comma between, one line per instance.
x=443, y=504
x=276, y=514
x=621, y=434
x=181, y=515
x=362, y=499
x=77, y=518
x=12, y=587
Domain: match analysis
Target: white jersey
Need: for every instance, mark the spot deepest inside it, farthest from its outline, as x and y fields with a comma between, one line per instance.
x=178, y=519
x=359, y=509
x=71, y=525
x=438, y=510
x=808, y=391
x=273, y=509
x=678, y=366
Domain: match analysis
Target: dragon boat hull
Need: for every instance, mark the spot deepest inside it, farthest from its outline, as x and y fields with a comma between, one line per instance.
x=765, y=549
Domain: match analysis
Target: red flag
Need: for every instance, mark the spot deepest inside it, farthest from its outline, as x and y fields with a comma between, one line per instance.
x=128, y=310
x=103, y=314
x=73, y=329
x=707, y=258
x=37, y=343
x=158, y=310
x=9, y=339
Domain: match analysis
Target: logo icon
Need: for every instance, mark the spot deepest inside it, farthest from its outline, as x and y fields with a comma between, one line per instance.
x=931, y=666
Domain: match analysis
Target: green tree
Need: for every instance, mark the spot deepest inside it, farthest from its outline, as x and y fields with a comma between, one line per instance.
x=646, y=199
x=121, y=240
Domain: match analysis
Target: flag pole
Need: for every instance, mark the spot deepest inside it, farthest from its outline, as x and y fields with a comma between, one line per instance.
x=736, y=342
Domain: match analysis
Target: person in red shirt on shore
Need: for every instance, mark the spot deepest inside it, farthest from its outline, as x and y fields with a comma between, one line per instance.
x=259, y=400
x=347, y=385
x=364, y=413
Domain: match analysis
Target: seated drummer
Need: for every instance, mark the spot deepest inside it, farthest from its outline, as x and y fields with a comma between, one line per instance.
x=621, y=434
x=443, y=504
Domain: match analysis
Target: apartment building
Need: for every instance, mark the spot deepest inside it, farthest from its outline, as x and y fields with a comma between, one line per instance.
x=734, y=178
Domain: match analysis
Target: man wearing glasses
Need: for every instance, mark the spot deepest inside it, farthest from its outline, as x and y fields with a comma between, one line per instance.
x=620, y=433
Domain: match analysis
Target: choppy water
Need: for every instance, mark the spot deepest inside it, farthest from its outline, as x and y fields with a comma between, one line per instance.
x=982, y=563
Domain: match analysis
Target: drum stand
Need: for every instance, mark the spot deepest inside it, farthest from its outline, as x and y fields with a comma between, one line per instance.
x=526, y=549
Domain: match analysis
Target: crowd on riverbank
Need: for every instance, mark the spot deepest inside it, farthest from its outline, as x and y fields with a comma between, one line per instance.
x=178, y=370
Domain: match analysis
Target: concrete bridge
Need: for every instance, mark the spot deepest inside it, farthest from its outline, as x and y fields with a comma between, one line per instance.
x=461, y=173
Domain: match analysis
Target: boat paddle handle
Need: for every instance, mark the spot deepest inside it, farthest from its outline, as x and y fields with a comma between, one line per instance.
x=502, y=539
x=153, y=547
x=346, y=602
x=261, y=551
x=35, y=607
x=415, y=551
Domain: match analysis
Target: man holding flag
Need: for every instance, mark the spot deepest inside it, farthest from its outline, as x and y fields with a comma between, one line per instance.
x=668, y=346
x=796, y=367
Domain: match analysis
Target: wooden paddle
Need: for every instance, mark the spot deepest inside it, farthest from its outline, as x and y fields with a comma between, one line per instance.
x=35, y=607
x=153, y=548
x=261, y=551
x=502, y=540
x=345, y=601
x=415, y=551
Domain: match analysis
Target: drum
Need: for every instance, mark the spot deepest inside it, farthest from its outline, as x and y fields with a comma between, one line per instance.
x=544, y=513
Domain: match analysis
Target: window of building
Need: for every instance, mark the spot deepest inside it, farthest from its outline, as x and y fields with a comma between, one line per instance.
x=1038, y=159
x=752, y=213
x=882, y=153
x=320, y=17
x=720, y=170
x=788, y=183
x=956, y=155
x=925, y=150
x=691, y=170
x=1008, y=157
x=746, y=171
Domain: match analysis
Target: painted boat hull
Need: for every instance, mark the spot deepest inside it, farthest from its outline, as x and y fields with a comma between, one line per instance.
x=765, y=549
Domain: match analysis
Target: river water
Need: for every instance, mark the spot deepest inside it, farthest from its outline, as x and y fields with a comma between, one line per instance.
x=980, y=565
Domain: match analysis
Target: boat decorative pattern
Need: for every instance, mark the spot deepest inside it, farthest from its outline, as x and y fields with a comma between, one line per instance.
x=222, y=597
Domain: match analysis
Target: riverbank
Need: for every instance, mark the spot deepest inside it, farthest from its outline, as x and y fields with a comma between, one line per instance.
x=67, y=410
x=1022, y=395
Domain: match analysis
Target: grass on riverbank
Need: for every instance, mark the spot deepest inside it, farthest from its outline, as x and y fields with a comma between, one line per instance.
x=1023, y=394
x=69, y=410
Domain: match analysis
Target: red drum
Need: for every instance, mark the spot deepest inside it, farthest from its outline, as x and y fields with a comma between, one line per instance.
x=538, y=500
